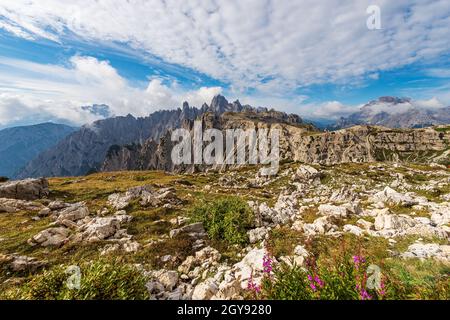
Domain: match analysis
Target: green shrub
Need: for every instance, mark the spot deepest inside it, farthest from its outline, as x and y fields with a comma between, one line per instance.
x=287, y=283
x=100, y=280
x=225, y=219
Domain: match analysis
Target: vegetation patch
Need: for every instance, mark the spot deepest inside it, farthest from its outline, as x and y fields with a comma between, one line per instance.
x=99, y=280
x=226, y=219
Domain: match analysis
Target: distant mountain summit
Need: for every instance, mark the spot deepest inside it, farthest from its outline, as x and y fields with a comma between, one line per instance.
x=393, y=112
x=85, y=150
x=19, y=145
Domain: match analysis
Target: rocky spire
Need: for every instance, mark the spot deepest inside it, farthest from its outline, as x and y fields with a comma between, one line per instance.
x=219, y=104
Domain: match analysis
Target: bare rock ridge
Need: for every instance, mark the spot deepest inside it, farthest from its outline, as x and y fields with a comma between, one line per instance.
x=85, y=150
x=298, y=142
x=156, y=155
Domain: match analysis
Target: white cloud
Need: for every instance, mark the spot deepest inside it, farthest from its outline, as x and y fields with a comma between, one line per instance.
x=270, y=45
x=438, y=73
x=330, y=110
x=333, y=110
x=48, y=92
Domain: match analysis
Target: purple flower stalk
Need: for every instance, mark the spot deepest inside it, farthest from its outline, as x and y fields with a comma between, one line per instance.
x=357, y=260
x=365, y=295
x=253, y=286
x=267, y=264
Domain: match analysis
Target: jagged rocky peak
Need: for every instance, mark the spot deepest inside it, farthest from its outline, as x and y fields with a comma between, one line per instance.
x=219, y=104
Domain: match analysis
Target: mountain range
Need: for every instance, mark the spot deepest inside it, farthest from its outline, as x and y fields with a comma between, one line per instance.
x=126, y=142
x=393, y=112
x=84, y=150
x=19, y=145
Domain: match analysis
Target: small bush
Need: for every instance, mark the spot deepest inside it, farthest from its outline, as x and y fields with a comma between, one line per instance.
x=3, y=179
x=100, y=280
x=225, y=219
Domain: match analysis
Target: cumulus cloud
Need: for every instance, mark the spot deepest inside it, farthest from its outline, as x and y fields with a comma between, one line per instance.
x=269, y=45
x=32, y=91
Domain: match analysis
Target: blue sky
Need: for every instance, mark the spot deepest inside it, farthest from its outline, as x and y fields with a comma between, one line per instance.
x=317, y=59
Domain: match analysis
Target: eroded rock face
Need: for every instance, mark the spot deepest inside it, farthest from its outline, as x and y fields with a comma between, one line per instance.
x=28, y=189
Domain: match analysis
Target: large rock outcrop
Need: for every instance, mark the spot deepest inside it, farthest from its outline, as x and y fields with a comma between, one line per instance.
x=28, y=189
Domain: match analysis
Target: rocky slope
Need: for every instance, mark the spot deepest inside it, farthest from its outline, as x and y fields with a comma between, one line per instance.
x=19, y=145
x=394, y=112
x=394, y=215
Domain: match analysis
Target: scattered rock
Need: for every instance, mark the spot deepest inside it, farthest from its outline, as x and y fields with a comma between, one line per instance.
x=389, y=195
x=430, y=250
x=330, y=210
x=205, y=290
x=353, y=229
x=307, y=173
x=257, y=234
x=52, y=237
x=195, y=230
x=103, y=228
x=74, y=212
x=13, y=205
x=24, y=264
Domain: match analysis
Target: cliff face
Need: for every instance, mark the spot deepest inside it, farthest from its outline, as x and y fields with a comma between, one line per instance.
x=157, y=156
x=297, y=143
x=368, y=143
